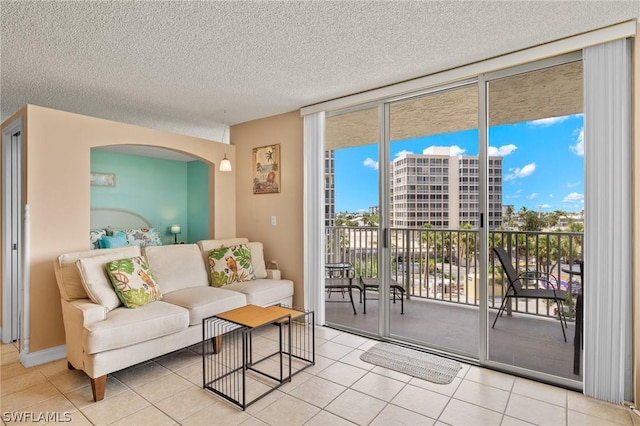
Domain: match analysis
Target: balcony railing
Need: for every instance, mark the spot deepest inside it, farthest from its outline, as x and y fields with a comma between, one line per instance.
x=442, y=264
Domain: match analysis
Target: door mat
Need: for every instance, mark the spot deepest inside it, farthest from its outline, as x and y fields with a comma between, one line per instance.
x=415, y=363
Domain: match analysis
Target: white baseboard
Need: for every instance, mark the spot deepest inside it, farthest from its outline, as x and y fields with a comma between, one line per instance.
x=42, y=357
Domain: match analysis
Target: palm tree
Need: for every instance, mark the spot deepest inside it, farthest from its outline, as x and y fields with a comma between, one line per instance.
x=531, y=221
x=466, y=241
x=508, y=217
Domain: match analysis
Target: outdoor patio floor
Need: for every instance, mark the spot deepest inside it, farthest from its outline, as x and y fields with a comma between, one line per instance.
x=527, y=341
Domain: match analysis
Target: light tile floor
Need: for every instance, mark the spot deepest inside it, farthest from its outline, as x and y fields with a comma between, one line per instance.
x=339, y=389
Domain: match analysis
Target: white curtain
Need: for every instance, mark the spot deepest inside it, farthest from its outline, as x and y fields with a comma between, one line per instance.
x=607, y=247
x=314, y=213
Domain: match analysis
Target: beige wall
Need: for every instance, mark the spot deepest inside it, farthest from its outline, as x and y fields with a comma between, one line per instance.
x=58, y=148
x=283, y=242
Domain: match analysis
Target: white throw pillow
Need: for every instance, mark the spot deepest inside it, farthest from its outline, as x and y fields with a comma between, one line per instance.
x=257, y=260
x=93, y=271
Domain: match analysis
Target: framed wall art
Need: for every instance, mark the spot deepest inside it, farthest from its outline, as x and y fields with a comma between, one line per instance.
x=266, y=169
x=103, y=179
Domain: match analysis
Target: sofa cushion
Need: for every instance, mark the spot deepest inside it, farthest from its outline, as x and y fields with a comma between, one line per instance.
x=124, y=327
x=230, y=264
x=263, y=292
x=203, y=302
x=133, y=282
x=207, y=245
x=67, y=273
x=177, y=266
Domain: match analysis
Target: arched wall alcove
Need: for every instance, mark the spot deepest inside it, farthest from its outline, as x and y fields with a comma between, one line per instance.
x=57, y=190
x=147, y=186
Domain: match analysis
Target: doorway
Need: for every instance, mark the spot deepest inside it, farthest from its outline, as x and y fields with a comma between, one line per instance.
x=12, y=230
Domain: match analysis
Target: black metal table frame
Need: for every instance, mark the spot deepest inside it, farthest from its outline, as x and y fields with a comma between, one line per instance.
x=341, y=269
x=229, y=328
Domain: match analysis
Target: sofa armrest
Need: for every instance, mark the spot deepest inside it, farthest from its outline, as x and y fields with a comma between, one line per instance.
x=274, y=274
x=89, y=312
x=76, y=315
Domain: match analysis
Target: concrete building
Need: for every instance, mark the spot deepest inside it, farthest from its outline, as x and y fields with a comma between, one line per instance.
x=442, y=189
x=329, y=189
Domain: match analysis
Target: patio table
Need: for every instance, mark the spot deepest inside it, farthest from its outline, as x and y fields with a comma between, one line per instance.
x=340, y=276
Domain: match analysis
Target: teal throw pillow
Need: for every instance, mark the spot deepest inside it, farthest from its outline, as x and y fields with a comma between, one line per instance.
x=112, y=241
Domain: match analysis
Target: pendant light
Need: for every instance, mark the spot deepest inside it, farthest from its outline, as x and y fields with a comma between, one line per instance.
x=225, y=164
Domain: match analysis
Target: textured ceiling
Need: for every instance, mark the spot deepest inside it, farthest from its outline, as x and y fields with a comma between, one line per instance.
x=177, y=66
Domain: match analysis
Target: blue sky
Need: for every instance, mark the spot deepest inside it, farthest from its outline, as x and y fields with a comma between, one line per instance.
x=543, y=164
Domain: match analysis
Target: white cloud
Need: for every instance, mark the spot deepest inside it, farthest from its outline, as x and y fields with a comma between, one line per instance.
x=578, y=148
x=573, y=184
x=503, y=151
x=544, y=206
x=521, y=172
x=516, y=194
x=546, y=122
x=452, y=151
x=574, y=197
x=368, y=162
x=533, y=196
x=402, y=153
x=456, y=151
x=550, y=195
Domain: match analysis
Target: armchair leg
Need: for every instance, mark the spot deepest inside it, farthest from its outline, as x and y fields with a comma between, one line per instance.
x=500, y=311
x=562, y=316
x=98, y=386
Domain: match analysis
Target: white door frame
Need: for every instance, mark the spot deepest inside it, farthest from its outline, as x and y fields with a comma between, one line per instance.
x=12, y=230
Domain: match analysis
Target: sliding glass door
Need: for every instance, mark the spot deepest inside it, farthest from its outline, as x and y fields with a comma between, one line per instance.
x=422, y=188
x=434, y=218
x=351, y=218
x=535, y=128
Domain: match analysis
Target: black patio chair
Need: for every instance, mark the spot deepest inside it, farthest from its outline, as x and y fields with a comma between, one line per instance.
x=518, y=289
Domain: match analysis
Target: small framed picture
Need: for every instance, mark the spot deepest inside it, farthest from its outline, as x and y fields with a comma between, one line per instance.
x=266, y=169
x=103, y=179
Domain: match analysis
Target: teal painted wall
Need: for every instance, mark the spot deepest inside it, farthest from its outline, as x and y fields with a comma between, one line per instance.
x=198, y=200
x=154, y=188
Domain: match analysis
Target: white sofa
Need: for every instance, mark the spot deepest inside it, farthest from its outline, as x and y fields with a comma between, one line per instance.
x=101, y=340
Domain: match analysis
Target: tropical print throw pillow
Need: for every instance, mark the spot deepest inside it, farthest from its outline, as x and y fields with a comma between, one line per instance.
x=230, y=264
x=143, y=236
x=95, y=236
x=133, y=282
